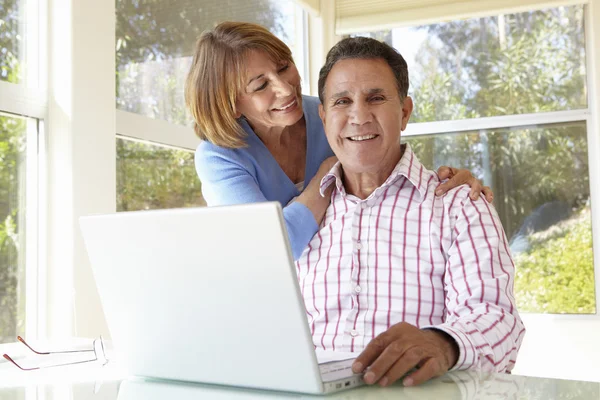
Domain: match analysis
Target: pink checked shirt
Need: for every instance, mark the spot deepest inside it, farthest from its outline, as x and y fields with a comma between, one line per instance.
x=404, y=254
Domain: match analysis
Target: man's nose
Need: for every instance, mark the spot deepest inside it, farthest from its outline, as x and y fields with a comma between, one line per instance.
x=360, y=114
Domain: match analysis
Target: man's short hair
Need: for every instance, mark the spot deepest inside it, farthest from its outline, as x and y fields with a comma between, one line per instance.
x=366, y=49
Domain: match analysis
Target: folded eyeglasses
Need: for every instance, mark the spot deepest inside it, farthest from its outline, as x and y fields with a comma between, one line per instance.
x=98, y=350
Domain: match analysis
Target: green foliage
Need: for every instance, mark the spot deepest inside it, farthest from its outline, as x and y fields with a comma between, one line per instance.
x=12, y=148
x=10, y=41
x=505, y=65
x=151, y=177
x=555, y=275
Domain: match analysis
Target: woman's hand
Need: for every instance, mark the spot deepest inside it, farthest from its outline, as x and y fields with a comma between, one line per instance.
x=311, y=196
x=459, y=177
x=326, y=166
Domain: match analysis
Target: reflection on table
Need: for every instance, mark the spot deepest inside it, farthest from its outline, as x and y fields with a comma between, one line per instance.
x=456, y=385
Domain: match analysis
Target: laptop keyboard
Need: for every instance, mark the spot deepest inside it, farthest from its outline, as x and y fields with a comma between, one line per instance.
x=335, y=370
x=335, y=366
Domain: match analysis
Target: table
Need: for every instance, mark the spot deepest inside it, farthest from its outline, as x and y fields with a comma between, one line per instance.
x=456, y=385
x=94, y=382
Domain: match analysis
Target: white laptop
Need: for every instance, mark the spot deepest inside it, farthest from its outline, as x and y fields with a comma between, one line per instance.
x=209, y=295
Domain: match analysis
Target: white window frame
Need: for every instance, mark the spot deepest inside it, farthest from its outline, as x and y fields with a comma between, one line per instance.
x=570, y=338
x=29, y=100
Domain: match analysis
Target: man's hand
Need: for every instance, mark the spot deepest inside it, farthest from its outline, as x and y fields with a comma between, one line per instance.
x=392, y=354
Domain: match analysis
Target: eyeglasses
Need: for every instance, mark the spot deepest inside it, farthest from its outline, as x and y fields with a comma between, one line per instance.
x=98, y=350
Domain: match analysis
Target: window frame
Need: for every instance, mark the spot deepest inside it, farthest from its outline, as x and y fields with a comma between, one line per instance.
x=29, y=100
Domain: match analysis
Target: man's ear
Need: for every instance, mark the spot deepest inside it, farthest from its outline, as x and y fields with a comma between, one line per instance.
x=322, y=114
x=407, y=109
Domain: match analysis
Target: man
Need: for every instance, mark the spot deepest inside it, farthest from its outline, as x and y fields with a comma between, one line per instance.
x=405, y=278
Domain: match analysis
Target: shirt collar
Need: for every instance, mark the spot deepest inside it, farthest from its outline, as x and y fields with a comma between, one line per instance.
x=409, y=166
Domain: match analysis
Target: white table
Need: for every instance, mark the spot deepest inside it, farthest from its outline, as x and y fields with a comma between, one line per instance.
x=94, y=382
x=101, y=384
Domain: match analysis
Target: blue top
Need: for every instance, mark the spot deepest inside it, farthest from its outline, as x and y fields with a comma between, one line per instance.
x=251, y=175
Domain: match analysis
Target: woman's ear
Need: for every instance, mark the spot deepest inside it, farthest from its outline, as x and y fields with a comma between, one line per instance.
x=236, y=113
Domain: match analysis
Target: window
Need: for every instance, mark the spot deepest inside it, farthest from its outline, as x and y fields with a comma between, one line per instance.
x=19, y=40
x=521, y=80
x=151, y=177
x=13, y=172
x=155, y=42
x=21, y=108
x=543, y=199
x=154, y=48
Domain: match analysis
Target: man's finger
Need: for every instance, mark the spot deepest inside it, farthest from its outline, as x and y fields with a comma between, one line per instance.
x=430, y=369
x=396, y=352
x=370, y=353
x=409, y=360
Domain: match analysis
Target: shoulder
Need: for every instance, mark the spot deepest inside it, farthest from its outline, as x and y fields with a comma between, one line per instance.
x=460, y=205
x=458, y=196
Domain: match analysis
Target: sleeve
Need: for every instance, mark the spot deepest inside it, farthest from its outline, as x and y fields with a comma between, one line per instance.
x=226, y=180
x=481, y=315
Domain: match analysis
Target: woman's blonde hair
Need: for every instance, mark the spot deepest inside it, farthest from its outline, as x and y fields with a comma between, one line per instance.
x=218, y=74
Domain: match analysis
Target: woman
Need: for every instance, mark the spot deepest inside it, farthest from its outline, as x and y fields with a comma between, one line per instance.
x=262, y=140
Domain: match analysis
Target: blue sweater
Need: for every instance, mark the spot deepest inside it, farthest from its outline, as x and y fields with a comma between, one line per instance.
x=251, y=175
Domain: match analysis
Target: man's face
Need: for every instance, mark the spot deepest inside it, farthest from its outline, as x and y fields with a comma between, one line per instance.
x=363, y=114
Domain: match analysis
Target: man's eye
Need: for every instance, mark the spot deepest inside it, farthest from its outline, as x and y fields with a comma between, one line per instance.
x=377, y=98
x=341, y=102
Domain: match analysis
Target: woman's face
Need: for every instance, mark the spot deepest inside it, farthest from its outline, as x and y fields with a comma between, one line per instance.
x=272, y=96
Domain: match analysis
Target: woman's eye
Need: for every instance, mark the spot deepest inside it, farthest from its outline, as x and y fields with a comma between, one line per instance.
x=284, y=68
x=261, y=87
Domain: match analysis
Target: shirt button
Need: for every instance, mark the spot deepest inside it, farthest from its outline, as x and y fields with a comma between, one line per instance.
x=357, y=289
x=358, y=245
x=354, y=333
x=363, y=205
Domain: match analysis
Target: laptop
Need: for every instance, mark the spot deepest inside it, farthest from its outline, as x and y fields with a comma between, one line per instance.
x=209, y=295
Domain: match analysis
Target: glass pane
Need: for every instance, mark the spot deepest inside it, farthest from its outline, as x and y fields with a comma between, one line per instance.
x=152, y=177
x=501, y=65
x=155, y=40
x=13, y=134
x=11, y=42
x=541, y=189
x=18, y=52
